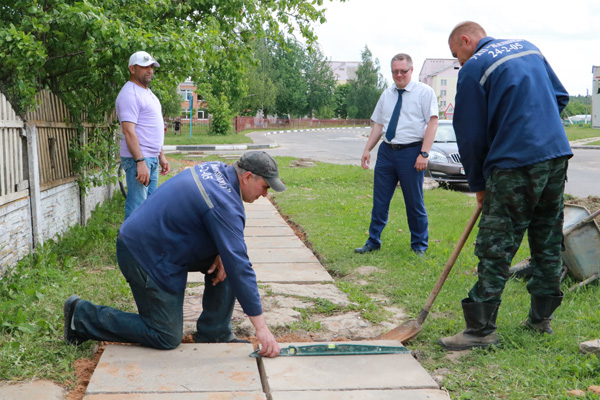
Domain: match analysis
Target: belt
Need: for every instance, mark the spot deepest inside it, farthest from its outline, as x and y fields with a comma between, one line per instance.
x=403, y=146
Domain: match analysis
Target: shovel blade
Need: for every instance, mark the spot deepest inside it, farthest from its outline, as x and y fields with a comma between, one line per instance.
x=403, y=333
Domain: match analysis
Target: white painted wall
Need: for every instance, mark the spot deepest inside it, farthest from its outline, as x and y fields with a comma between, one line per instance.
x=15, y=232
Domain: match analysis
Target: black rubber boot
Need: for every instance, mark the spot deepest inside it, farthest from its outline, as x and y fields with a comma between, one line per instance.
x=480, y=319
x=541, y=312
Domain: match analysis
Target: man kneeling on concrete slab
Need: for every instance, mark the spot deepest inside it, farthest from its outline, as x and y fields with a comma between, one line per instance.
x=193, y=222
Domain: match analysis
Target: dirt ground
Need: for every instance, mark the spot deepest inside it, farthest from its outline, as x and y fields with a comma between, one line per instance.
x=592, y=203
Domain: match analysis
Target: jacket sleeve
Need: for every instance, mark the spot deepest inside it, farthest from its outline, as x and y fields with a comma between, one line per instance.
x=470, y=124
x=562, y=96
x=227, y=232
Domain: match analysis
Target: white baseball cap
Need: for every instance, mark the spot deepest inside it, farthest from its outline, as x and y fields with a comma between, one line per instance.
x=142, y=59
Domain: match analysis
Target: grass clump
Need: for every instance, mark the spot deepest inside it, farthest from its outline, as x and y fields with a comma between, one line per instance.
x=584, y=131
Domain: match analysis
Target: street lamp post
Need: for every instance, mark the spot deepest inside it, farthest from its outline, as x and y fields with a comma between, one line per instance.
x=191, y=101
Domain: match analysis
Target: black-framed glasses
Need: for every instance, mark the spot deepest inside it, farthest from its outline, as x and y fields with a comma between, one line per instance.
x=401, y=72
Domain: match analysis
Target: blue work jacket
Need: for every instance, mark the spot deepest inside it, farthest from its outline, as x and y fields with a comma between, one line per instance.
x=507, y=112
x=191, y=218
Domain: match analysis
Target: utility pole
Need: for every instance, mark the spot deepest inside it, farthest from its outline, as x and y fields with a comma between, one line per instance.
x=587, y=95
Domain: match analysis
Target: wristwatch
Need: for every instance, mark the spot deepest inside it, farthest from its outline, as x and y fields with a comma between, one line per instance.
x=424, y=154
x=139, y=160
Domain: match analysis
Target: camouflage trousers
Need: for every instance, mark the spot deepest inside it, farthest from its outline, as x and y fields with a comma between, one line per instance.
x=518, y=200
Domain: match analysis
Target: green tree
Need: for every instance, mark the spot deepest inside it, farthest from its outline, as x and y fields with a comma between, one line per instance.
x=259, y=80
x=221, y=115
x=79, y=49
x=321, y=84
x=170, y=100
x=303, y=79
x=292, y=88
x=365, y=90
x=340, y=95
x=580, y=105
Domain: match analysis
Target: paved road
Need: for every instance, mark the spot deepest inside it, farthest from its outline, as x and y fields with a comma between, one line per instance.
x=345, y=146
x=338, y=146
x=584, y=173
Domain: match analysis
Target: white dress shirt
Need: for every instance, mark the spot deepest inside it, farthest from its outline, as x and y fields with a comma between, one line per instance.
x=419, y=104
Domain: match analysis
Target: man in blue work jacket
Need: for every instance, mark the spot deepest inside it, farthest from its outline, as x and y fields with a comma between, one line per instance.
x=192, y=222
x=515, y=152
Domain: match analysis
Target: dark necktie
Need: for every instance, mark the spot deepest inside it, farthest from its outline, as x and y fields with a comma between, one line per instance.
x=391, y=129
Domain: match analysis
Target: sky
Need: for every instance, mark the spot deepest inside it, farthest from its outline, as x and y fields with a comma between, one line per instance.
x=563, y=31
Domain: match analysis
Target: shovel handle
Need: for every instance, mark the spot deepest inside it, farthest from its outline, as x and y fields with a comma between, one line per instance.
x=449, y=264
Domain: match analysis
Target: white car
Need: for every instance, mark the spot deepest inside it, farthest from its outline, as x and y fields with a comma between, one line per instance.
x=444, y=161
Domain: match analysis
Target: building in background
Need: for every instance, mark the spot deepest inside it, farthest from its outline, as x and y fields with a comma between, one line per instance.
x=596, y=97
x=199, y=105
x=344, y=71
x=442, y=75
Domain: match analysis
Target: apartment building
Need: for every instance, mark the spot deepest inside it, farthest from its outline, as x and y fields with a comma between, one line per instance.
x=442, y=75
x=344, y=71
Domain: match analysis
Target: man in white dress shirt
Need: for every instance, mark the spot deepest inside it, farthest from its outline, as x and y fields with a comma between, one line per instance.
x=408, y=115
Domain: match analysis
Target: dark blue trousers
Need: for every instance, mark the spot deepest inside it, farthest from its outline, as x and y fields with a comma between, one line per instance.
x=159, y=323
x=395, y=166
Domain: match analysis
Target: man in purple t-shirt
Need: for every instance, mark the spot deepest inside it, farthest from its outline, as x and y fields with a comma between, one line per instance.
x=140, y=114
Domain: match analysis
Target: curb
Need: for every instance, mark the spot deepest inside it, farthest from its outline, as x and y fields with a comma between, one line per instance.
x=218, y=147
x=313, y=129
x=586, y=147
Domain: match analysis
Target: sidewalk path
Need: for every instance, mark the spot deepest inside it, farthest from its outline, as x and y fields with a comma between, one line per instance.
x=290, y=276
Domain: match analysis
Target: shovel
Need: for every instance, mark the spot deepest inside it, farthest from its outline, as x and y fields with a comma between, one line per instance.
x=410, y=329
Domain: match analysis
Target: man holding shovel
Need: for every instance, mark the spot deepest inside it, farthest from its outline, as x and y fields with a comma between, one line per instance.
x=515, y=153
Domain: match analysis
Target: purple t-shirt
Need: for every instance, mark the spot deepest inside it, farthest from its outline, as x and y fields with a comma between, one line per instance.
x=141, y=107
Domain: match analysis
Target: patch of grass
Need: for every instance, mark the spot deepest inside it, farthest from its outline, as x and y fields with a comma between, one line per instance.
x=362, y=303
x=326, y=307
x=576, y=132
x=332, y=204
x=306, y=324
x=81, y=261
x=200, y=137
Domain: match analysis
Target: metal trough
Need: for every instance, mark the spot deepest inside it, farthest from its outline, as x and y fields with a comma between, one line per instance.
x=582, y=242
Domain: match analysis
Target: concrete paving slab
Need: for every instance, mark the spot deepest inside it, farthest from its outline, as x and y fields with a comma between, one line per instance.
x=423, y=394
x=264, y=213
x=263, y=205
x=267, y=242
x=35, y=390
x=292, y=255
x=261, y=201
x=328, y=292
x=266, y=222
x=180, y=396
x=291, y=272
x=221, y=367
x=347, y=372
x=280, y=272
x=269, y=231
